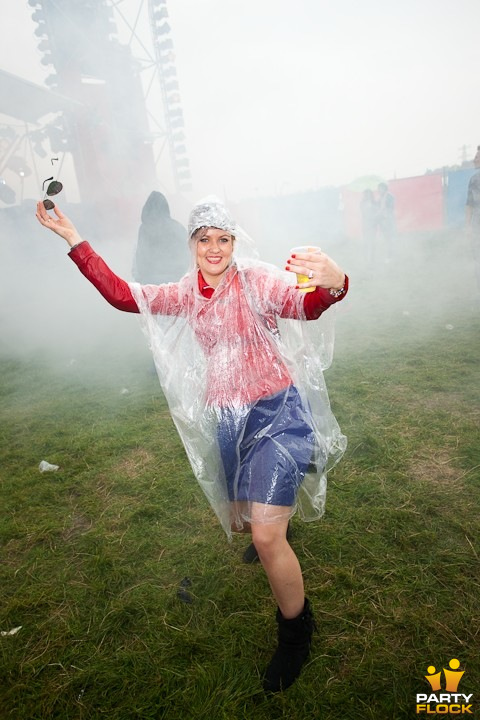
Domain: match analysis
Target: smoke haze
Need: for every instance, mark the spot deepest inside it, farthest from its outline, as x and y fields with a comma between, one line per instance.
x=279, y=99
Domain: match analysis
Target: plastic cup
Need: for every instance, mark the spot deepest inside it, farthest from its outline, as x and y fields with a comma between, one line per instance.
x=305, y=249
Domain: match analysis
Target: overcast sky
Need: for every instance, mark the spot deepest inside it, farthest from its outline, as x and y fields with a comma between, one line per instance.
x=280, y=97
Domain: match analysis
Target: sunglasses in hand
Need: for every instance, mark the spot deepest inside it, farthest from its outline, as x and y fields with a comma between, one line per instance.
x=53, y=189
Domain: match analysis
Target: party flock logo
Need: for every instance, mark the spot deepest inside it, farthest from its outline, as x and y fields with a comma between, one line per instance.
x=449, y=700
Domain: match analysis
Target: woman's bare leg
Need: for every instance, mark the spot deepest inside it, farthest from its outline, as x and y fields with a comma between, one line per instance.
x=269, y=535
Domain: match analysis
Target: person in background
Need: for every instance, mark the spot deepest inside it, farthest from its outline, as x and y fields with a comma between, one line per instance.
x=472, y=216
x=161, y=254
x=253, y=416
x=386, y=218
x=369, y=210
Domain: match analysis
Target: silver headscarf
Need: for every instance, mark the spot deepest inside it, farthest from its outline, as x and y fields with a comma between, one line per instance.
x=210, y=213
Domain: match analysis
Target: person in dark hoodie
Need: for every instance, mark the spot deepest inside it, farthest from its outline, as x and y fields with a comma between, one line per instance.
x=161, y=255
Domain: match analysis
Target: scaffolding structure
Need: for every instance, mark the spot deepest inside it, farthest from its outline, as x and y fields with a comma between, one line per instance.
x=113, y=106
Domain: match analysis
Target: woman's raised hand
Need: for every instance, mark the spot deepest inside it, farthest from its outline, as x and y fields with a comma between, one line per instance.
x=60, y=225
x=319, y=268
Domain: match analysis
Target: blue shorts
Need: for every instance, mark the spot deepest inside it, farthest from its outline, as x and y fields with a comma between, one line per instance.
x=266, y=448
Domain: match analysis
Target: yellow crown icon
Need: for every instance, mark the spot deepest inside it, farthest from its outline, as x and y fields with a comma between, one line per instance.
x=452, y=676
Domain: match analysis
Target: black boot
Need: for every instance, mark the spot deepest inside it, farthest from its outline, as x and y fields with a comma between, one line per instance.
x=294, y=639
x=250, y=555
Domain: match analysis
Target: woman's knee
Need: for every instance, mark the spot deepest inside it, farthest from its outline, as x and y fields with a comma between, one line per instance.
x=267, y=537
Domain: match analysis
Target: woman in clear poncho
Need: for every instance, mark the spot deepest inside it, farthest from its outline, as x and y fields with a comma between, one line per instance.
x=243, y=376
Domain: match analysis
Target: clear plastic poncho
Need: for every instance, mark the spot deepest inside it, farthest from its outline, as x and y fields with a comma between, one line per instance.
x=242, y=373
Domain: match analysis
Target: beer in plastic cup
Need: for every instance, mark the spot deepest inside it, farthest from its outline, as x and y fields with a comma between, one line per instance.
x=305, y=249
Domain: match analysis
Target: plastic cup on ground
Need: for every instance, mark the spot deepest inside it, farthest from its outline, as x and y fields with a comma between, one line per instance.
x=305, y=249
x=45, y=466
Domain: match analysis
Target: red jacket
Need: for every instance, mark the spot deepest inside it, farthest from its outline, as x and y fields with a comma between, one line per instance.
x=117, y=291
x=234, y=324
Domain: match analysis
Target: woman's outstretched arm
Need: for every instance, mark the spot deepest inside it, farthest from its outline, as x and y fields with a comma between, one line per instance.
x=60, y=225
x=114, y=289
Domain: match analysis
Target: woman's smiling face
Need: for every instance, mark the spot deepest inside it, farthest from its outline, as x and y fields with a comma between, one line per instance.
x=214, y=249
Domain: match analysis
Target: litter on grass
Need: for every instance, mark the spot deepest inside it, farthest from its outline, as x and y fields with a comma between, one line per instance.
x=47, y=467
x=13, y=631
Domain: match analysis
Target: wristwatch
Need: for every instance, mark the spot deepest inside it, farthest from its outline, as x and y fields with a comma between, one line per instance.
x=337, y=293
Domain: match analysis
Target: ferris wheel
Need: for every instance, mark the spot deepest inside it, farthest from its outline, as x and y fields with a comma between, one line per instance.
x=150, y=39
x=114, y=62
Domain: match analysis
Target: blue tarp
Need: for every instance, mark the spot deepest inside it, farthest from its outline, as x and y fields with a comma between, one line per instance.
x=456, y=195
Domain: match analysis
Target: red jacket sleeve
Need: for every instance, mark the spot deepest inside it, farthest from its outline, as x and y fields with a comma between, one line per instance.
x=316, y=302
x=115, y=290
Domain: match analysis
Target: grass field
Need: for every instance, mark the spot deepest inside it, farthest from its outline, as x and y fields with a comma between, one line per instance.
x=95, y=553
